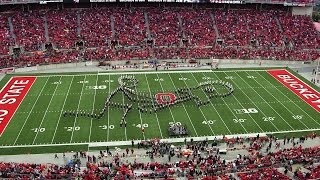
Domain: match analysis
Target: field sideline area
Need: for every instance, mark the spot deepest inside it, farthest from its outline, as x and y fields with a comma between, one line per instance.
x=259, y=104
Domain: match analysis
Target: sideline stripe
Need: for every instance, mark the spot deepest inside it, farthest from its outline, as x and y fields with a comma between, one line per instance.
x=170, y=140
x=156, y=72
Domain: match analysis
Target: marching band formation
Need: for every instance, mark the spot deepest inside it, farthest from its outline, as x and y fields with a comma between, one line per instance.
x=147, y=104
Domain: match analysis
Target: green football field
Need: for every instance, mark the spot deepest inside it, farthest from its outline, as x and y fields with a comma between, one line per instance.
x=259, y=104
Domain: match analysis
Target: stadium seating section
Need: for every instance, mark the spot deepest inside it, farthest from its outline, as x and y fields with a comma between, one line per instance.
x=249, y=167
x=162, y=33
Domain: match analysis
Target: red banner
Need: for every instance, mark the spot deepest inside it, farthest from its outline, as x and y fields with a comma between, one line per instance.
x=11, y=96
x=301, y=89
x=4, y=70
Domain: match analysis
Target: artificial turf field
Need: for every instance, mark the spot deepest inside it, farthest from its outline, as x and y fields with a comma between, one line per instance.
x=259, y=104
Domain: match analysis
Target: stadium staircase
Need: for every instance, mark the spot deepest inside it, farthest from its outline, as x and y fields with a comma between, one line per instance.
x=281, y=30
x=46, y=31
x=12, y=29
x=181, y=28
x=147, y=24
x=112, y=27
x=79, y=26
x=214, y=25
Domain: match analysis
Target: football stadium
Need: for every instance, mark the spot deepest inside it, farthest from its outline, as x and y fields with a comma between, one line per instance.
x=112, y=89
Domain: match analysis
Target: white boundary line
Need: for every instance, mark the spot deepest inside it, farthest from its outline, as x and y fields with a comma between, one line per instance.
x=94, y=102
x=152, y=72
x=30, y=112
x=120, y=143
x=153, y=104
x=187, y=111
x=75, y=121
x=19, y=103
x=64, y=103
x=277, y=99
x=44, y=116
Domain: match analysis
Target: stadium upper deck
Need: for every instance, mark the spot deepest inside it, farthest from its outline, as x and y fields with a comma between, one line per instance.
x=41, y=35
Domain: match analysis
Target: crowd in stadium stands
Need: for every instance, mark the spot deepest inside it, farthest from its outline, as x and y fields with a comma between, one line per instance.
x=29, y=30
x=198, y=161
x=145, y=33
x=63, y=28
x=95, y=27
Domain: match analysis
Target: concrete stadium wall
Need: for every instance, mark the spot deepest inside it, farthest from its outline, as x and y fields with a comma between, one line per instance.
x=302, y=11
x=92, y=66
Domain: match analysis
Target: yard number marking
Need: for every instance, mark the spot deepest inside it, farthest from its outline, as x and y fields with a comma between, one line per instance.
x=297, y=117
x=158, y=79
x=76, y=128
x=209, y=122
x=142, y=125
x=239, y=120
x=183, y=79
x=57, y=82
x=268, y=118
x=246, y=111
x=106, y=127
x=36, y=130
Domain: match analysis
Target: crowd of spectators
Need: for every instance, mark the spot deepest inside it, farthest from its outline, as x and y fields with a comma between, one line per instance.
x=192, y=160
x=29, y=30
x=176, y=33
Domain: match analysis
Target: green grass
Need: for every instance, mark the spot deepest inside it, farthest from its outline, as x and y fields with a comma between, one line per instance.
x=255, y=90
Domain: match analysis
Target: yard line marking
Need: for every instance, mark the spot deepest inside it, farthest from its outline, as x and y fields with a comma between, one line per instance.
x=268, y=103
x=144, y=137
x=242, y=105
x=213, y=106
x=168, y=107
x=155, y=72
x=230, y=109
x=46, y=111
x=75, y=121
x=108, y=130
x=94, y=101
x=199, y=108
x=64, y=103
x=292, y=100
x=254, y=102
x=145, y=75
x=30, y=112
x=187, y=111
x=278, y=100
x=125, y=127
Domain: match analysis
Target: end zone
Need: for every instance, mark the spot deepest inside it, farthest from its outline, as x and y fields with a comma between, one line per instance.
x=298, y=87
x=11, y=96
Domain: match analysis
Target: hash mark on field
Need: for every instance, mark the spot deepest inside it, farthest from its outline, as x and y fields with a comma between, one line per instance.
x=291, y=100
x=75, y=121
x=146, y=91
x=252, y=100
x=241, y=104
x=212, y=104
x=155, y=112
x=186, y=109
x=30, y=112
x=46, y=111
x=219, y=104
